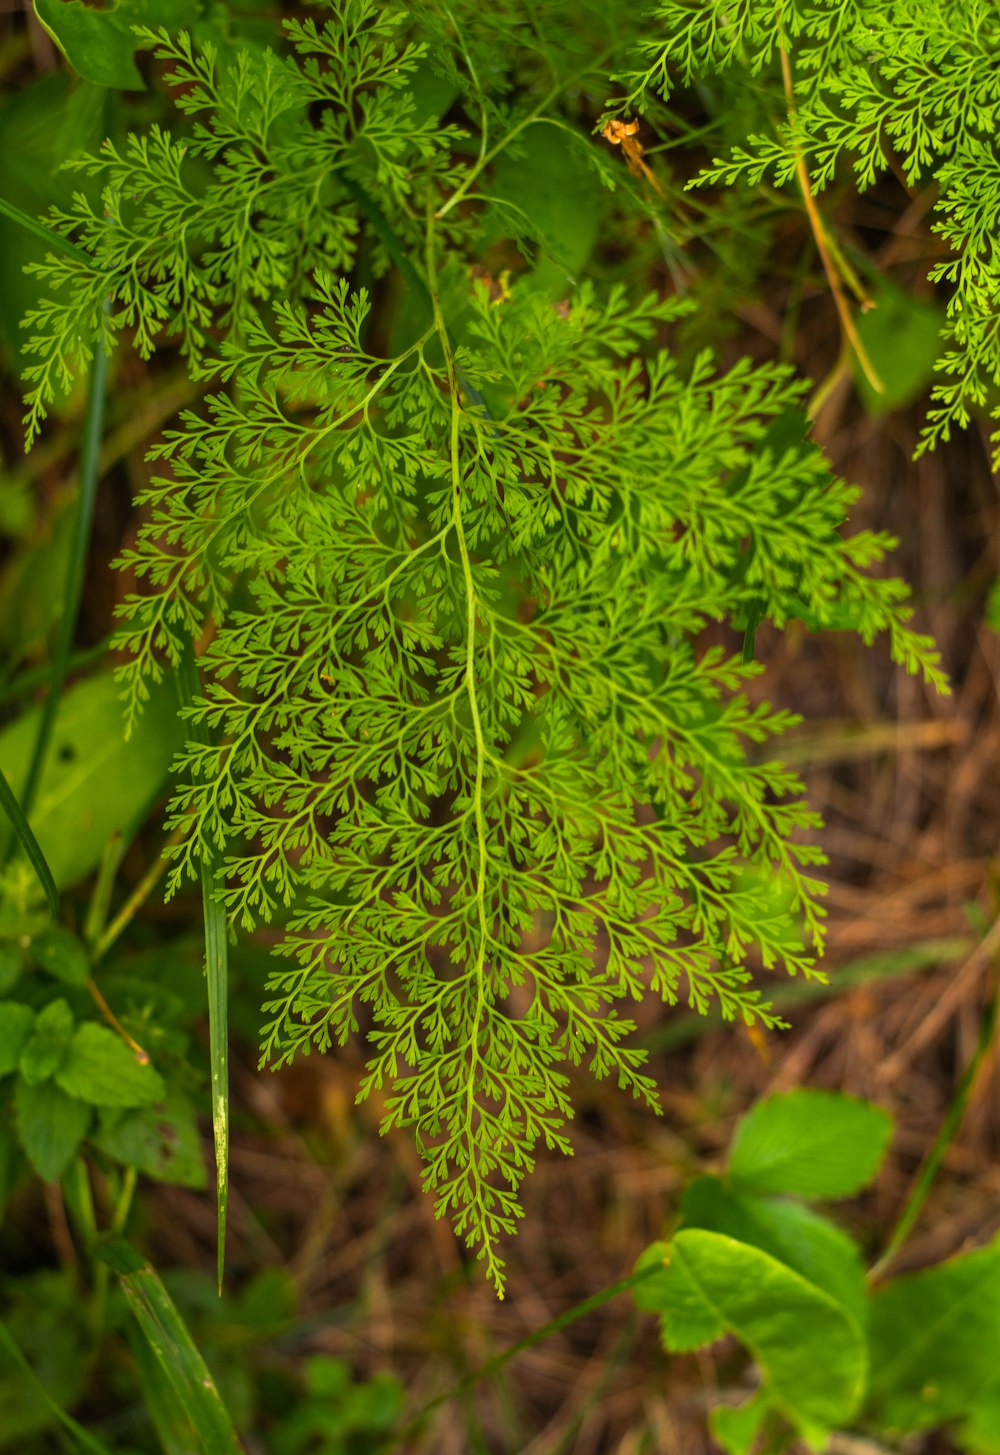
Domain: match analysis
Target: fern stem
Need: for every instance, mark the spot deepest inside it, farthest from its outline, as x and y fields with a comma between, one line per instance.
x=536, y=114
x=819, y=234
x=469, y=678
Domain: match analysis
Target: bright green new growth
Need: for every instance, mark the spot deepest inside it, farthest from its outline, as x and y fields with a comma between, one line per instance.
x=466, y=745
x=909, y=79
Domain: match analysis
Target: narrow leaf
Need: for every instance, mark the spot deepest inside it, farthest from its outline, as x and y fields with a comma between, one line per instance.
x=171, y=1342
x=28, y=843
x=79, y=1436
x=217, y=973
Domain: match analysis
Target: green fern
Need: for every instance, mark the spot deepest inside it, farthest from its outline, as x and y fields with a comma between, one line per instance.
x=465, y=744
x=911, y=79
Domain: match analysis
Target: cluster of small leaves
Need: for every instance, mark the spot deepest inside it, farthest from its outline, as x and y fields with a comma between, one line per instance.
x=909, y=79
x=64, y=1076
x=457, y=732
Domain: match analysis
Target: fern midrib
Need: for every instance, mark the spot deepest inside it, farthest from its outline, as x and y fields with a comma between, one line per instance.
x=479, y=967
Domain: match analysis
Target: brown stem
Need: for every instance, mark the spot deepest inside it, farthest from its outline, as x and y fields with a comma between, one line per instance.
x=819, y=233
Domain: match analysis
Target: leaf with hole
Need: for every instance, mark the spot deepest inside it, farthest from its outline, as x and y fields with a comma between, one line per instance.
x=95, y=784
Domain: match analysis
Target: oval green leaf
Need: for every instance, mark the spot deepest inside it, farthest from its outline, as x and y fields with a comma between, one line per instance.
x=809, y=1143
x=934, y=1339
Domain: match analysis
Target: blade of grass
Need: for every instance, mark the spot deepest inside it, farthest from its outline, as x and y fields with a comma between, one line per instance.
x=30, y=845
x=72, y=1434
x=216, y=970
x=175, y=1350
x=47, y=234
x=946, y=1135
x=87, y=495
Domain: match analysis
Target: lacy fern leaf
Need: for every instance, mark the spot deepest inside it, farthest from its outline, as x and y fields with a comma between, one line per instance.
x=459, y=734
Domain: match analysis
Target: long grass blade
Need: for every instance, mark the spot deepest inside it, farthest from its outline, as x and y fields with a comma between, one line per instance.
x=73, y=1434
x=217, y=973
x=175, y=1350
x=47, y=234
x=946, y=1135
x=87, y=495
x=28, y=842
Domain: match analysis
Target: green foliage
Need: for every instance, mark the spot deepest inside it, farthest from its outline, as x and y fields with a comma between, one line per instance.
x=810, y=1350
x=812, y=1144
x=65, y=1077
x=100, y=44
x=169, y=1339
x=933, y=1337
x=95, y=783
x=457, y=731
x=905, y=83
x=913, y=1354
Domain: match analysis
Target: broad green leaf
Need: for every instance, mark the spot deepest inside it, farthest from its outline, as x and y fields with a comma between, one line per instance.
x=50, y=1126
x=100, y=1069
x=549, y=193
x=171, y=1342
x=16, y=1023
x=62, y=955
x=803, y=1240
x=809, y=1144
x=902, y=337
x=651, y=1292
x=48, y=121
x=32, y=580
x=809, y=1348
x=95, y=783
x=934, y=1340
x=12, y=1168
x=99, y=44
x=50, y=1040
x=161, y=1141
x=980, y=1433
